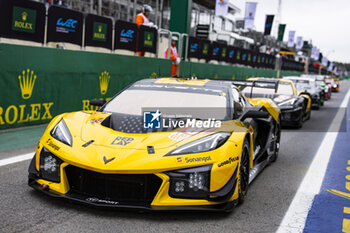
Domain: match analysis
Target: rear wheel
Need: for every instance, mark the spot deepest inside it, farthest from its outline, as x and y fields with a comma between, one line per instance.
x=244, y=170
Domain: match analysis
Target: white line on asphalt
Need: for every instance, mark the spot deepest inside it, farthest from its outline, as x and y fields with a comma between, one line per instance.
x=295, y=217
x=16, y=159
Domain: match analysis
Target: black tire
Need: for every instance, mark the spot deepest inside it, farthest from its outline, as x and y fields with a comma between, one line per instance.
x=309, y=114
x=277, y=136
x=244, y=169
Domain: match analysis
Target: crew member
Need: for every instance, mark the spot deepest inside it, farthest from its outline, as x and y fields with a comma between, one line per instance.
x=174, y=56
x=142, y=19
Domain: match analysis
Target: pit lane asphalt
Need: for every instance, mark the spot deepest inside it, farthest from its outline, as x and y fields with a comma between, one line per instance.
x=24, y=210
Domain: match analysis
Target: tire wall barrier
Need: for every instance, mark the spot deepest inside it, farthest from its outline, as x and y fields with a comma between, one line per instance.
x=38, y=83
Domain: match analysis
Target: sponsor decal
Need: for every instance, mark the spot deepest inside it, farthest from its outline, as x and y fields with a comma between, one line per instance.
x=126, y=36
x=148, y=41
x=229, y=161
x=96, y=200
x=66, y=25
x=107, y=160
x=23, y=19
x=99, y=32
x=53, y=145
x=93, y=121
x=198, y=159
x=24, y=113
x=104, y=81
x=179, y=159
x=122, y=141
x=152, y=119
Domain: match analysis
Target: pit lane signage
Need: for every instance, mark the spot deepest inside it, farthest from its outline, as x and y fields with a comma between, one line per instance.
x=125, y=35
x=148, y=42
x=23, y=19
x=65, y=25
x=99, y=31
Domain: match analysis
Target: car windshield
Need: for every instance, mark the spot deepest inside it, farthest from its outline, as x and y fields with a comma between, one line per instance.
x=194, y=104
x=283, y=89
x=301, y=84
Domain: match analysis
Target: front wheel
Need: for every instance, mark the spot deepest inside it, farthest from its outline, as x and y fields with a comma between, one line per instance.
x=277, y=137
x=244, y=170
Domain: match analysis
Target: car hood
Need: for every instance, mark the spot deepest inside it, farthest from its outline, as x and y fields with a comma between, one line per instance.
x=103, y=149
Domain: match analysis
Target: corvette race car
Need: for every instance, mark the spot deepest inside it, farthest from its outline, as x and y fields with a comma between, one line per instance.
x=303, y=84
x=160, y=144
x=295, y=107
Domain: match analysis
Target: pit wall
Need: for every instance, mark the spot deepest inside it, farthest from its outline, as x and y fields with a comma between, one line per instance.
x=38, y=83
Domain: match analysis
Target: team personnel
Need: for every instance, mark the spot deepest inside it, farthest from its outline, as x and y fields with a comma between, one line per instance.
x=174, y=56
x=142, y=19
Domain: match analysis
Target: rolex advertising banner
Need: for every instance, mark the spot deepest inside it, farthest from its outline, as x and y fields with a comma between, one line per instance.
x=300, y=43
x=281, y=29
x=249, y=16
x=147, y=39
x=193, y=47
x=98, y=31
x=268, y=24
x=39, y=83
x=291, y=39
x=65, y=25
x=23, y=20
x=125, y=35
x=223, y=53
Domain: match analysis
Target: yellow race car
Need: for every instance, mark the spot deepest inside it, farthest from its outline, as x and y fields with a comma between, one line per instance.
x=160, y=144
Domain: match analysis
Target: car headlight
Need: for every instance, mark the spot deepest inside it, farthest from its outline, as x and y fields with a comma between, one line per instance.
x=61, y=133
x=288, y=102
x=204, y=144
x=190, y=183
x=49, y=166
x=335, y=85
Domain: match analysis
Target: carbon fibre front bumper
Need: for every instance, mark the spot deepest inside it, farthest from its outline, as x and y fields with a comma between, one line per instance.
x=222, y=195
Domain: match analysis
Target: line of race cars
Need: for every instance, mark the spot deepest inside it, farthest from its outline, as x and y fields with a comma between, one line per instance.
x=170, y=143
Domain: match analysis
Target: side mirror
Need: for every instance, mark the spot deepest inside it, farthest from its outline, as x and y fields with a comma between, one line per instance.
x=97, y=102
x=253, y=114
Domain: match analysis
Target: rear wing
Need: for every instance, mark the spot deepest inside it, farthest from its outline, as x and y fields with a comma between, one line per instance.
x=270, y=84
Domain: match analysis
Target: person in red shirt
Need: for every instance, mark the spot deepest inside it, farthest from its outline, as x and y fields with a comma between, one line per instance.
x=142, y=18
x=174, y=56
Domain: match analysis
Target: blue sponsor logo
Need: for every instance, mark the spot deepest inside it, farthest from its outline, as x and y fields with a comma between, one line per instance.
x=194, y=47
x=69, y=23
x=215, y=51
x=129, y=33
x=231, y=53
x=127, y=36
x=151, y=119
x=122, y=141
